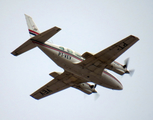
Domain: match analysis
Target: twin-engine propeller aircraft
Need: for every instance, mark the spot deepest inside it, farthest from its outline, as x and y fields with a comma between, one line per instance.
x=78, y=69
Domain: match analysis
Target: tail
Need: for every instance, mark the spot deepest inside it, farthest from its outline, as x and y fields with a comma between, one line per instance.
x=33, y=30
x=35, y=36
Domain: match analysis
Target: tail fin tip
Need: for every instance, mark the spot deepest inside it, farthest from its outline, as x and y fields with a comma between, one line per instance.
x=32, y=28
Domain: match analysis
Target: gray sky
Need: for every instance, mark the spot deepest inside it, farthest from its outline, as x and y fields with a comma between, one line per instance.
x=86, y=26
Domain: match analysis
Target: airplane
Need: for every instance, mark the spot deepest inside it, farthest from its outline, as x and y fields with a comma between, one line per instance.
x=79, y=69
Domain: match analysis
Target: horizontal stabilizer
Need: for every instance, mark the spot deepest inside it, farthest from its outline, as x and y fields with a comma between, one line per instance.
x=23, y=48
x=42, y=37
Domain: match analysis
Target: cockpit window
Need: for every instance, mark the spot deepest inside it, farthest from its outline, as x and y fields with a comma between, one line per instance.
x=62, y=48
x=69, y=51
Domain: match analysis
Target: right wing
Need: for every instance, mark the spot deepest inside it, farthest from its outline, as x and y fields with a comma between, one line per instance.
x=109, y=54
x=97, y=63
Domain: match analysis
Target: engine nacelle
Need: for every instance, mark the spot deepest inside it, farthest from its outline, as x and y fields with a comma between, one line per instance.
x=88, y=88
x=116, y=67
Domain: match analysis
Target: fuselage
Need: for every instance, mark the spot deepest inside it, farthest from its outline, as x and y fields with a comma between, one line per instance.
x=68, y=59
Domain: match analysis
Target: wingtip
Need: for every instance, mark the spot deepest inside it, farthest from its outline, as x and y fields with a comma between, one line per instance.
x=14, y=53
x=34, y=97
x=57, y=28
x=134, y=37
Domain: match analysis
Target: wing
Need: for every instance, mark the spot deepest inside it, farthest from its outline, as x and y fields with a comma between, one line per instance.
x=96, y=63
x=111, y=53
x=60, y=82
x=56, y=85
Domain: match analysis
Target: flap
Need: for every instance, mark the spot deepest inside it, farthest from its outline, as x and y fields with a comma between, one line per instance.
x=86, y=55
x=55, y=74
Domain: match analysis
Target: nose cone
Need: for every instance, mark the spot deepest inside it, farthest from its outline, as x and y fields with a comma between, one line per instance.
x=120, y=87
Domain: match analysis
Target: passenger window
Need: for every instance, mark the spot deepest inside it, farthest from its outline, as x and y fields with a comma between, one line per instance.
x=62, y=48
x=69, y=51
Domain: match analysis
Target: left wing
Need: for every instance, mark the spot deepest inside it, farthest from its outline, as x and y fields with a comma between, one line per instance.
x=96, y=63
x=60, y=82
x=57, y=84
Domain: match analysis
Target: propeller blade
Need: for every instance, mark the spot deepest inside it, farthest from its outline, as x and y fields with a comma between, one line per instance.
x=96, y=96
x=131, y=72
x=126, y=62
x=95, y=85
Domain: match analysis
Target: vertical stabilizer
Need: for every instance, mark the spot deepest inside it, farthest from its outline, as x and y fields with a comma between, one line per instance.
x=33, y=30
x=36, y=36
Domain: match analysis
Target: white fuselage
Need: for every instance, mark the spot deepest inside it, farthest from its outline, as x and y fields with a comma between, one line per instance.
x=68, y=59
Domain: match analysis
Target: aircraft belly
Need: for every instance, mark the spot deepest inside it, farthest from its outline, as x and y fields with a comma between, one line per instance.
x=111, y=81
x=105, y=80
x=50, y=53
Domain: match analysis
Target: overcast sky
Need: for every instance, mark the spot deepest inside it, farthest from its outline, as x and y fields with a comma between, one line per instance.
x=87, y=25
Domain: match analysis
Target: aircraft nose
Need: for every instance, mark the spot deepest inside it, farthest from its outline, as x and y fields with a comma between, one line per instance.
x=120, y=87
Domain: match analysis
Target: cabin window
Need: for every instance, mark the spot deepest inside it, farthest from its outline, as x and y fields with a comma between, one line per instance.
x=69, y=51
x=62, y=48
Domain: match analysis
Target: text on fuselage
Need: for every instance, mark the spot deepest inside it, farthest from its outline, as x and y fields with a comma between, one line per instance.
x=64, y=55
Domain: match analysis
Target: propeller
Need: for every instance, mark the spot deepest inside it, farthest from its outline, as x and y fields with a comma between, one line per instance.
x=126, y=62
x=93, y=86
x=130, y=72
x=96, y=95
